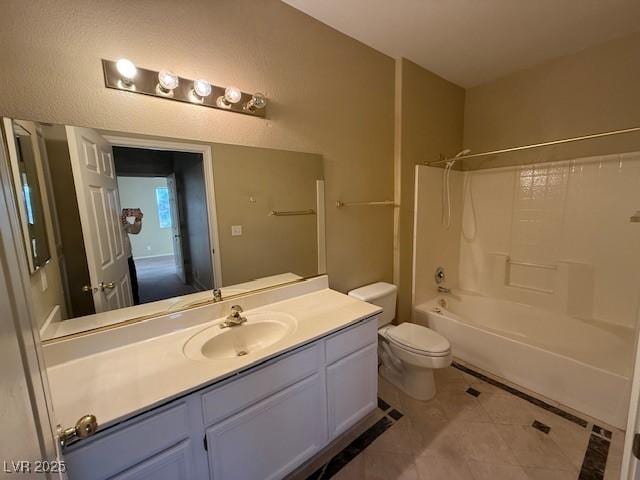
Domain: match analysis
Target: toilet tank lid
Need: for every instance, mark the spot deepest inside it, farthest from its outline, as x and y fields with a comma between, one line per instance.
x=373, y=291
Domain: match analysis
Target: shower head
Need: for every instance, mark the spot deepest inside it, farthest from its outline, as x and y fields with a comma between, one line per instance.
x=452, y=161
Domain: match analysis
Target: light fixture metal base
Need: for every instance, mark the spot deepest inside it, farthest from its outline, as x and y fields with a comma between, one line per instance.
x=146, y=83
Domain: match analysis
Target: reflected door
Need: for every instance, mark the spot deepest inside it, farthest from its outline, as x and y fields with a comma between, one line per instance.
x=99, y=204
x=175, y=227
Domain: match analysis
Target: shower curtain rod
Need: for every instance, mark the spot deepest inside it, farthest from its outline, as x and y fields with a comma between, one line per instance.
x=536, y=145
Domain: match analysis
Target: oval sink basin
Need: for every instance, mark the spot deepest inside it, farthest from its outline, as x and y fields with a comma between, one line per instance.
x=261, y=330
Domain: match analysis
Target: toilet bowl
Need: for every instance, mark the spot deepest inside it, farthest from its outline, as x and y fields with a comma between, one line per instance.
x=408, y=353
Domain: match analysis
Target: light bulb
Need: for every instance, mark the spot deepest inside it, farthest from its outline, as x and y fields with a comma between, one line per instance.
x=232, y=95
x=202, y=88
x=168, y=80
x=127, y=70
x=257, y=102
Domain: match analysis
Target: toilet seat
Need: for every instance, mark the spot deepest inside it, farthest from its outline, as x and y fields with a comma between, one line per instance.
x=417, y=339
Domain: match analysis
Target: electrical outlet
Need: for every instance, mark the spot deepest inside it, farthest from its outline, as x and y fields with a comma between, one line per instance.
x=236, y=230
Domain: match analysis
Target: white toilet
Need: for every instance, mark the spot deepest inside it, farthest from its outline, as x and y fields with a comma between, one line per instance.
x=408, y=352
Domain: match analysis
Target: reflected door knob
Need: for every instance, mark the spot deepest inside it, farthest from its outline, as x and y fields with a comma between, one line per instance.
x=106, y=286
x=100, y=288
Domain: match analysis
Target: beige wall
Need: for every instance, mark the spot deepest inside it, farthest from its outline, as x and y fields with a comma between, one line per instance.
x=274, y=180
x=591, y=91
x=431, y=116
x=328, y=94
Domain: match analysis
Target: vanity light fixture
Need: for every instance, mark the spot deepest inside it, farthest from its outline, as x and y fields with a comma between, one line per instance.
x=232, y=95
x=124, y=75
x=167, y=82
x=127, y=71
x=201, y=88
x=257, y=102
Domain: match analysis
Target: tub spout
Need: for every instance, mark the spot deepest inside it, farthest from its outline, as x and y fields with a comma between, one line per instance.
x=442, y=289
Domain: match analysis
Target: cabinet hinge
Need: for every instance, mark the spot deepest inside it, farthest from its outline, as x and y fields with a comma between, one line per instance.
x=206, y=445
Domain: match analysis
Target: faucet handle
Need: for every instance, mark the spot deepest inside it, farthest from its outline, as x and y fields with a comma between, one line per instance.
x=236, y=309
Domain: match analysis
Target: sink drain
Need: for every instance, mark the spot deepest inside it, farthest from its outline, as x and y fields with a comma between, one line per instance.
x=242, y=353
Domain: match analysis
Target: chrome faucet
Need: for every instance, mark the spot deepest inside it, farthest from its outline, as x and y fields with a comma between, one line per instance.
x=442, y=289
x=217, y=295
x=235, y=318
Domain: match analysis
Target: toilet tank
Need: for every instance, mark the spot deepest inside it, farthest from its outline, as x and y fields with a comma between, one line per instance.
x=381, y=294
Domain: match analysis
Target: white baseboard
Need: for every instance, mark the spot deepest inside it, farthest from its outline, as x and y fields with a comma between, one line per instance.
x=155, y=256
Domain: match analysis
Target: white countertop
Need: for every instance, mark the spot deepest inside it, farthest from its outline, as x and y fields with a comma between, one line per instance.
x=121, y=382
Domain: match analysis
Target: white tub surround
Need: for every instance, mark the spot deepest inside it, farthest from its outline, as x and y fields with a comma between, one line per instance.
x=585, y=365
x=119, y=373
x=555, y=235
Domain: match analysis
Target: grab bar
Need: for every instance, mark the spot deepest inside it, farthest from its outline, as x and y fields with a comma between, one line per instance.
x=383, y=203
x=290, y=213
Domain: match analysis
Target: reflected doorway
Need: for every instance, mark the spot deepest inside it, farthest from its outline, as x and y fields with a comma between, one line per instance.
x=170, y=252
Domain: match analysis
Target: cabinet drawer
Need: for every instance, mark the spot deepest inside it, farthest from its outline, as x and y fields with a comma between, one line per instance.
x=172, y=464
x=353, y=338
x=128, y=446
x=241, y=392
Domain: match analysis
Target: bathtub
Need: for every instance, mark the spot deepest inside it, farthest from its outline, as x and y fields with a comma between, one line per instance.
x=585, y=365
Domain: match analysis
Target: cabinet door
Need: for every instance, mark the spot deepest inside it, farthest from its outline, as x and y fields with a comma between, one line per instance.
x=273, y=437
x=352, y=385
x=172, y=464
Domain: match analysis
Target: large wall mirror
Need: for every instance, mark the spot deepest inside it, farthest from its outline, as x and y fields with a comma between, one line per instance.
x=120, y=227
x=23, y=144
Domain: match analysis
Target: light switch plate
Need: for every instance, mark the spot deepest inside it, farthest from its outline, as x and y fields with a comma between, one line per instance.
x=236, y=230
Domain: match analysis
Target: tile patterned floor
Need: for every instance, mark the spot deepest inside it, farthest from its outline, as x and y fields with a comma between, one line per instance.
x=477, y=429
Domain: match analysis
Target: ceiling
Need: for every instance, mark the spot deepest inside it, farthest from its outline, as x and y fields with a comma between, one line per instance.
x=470, y=42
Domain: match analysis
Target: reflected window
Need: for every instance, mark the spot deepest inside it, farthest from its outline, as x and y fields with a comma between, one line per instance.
x=26, y=190
x=164, y=207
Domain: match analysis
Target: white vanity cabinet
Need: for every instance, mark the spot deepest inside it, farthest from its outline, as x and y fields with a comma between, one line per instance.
x=260, y=424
